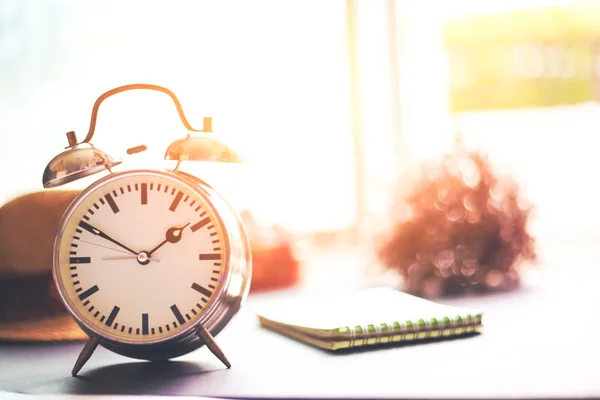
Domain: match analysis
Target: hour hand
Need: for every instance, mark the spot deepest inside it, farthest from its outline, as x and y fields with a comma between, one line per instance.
x=173, y=235
x=98, y=232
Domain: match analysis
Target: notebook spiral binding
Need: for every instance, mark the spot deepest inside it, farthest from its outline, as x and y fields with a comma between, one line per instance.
x=373, y=334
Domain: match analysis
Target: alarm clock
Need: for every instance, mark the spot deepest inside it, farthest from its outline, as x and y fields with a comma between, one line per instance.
x=151, y=264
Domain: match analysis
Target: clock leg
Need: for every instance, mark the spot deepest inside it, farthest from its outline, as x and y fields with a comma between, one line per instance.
x=85, y=355
x=209, y=340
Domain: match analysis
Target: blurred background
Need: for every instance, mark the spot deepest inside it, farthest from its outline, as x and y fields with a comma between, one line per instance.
x=331, y=103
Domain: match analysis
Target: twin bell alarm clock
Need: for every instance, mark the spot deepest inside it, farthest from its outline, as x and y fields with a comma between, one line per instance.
x=152, y=264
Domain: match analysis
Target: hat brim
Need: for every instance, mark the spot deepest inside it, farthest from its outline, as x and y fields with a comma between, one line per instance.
x=58, y=328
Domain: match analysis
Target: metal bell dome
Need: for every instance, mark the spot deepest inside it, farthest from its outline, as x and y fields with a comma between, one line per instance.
x=203, y=146
x=80, y=160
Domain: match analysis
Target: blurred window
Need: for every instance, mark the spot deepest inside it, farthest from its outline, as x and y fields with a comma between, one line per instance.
x=273, y=75
x=330, y=102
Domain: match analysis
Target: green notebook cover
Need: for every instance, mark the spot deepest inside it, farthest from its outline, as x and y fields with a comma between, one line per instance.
x=367, y=317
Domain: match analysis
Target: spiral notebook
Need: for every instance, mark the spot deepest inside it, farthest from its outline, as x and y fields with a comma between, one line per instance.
x=367, y=317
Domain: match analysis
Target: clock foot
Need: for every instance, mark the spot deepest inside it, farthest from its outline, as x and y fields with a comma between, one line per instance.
x=209, y=340
x=85, y=355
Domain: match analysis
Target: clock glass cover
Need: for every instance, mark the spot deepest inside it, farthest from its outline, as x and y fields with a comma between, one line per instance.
x=141, y=256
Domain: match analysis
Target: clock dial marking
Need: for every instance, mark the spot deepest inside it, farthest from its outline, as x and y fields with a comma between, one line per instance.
x=144, y=324
x=210, y=256
x=200, y=224
x=144, y=193
x=176, y=201
x=111, y=202
x=177, y=314
x=80, y=260
x=201, y=289
x=88, y=292
x=112, y=316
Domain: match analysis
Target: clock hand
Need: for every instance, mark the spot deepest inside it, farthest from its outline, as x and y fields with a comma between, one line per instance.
x=173, y=235
x=127, y=257
x=103, y=235
x=105, y=247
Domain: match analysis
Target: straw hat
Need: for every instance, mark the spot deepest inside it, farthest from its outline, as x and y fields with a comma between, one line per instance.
x=30, y=307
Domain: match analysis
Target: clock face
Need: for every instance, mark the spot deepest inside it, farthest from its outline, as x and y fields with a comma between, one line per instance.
x=140, y=256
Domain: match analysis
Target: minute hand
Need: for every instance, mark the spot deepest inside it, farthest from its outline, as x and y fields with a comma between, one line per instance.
x=103, y=235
